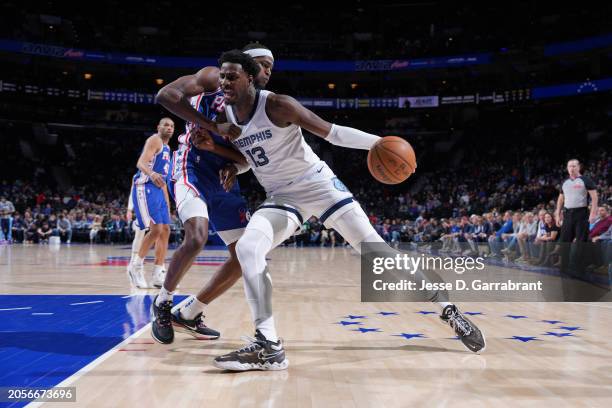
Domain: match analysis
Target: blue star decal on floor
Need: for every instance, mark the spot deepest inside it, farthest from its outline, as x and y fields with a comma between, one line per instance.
x=516, y=316
x=570, y=328
x=558, y=334
x=409, y=336
x=345, y=323
x=552, y=321
x=453, y=338
x=364, y=330
x=355, y=317
x=425, y=312
x=387, y=313
x=523, y=339
x=473, y=313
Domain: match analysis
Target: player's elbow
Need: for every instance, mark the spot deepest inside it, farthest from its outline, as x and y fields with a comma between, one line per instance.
x=167, y=96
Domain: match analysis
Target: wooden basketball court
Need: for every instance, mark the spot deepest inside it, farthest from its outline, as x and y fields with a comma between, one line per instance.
x=343, y=353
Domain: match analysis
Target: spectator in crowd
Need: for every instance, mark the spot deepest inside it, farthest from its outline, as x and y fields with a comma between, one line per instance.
x=328, y=235
x=601, y=226
x=525, y=236
x=315, y=231
x=601, y=237
x=451, y=231
x=18, y=228
x=116, y=229
x=6, y=219
x=64, y=228
x=432, y=231
x=496, y=241
x=394, y=231
x=547, y=241
x=43, y=233
x=540, y=232
x=32, y=228
x=465, y=231
x=47, y=211
x=96, y=226
x=510, y=239
x=480, y=234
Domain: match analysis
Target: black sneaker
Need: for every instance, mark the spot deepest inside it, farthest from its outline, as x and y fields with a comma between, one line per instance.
x=161, y=322
x=259, y=354
x=195, y=327
x=470, y=335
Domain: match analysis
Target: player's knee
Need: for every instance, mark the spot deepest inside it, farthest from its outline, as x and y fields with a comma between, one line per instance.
x=155, y=231
x=195, y=240
x=196, y=232
x=246, y=252
x=200, y=237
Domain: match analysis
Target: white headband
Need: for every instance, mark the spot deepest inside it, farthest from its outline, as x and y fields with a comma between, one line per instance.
x=260, y=52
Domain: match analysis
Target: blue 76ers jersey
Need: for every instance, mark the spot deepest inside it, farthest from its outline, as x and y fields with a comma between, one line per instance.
x=199, y=169
x=160, y=164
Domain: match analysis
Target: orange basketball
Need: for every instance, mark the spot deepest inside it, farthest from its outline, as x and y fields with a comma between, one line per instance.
x=391, y=160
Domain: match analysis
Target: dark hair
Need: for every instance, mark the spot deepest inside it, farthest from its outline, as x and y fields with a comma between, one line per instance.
x=254, y=45
x=238, y=57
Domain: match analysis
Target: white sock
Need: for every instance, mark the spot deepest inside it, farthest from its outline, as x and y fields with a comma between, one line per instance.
x=136, y=243
x=158, y=268
x=268, y=329
x=163, y=296
x=192, y=308
x=444, y=304
x=138, y=260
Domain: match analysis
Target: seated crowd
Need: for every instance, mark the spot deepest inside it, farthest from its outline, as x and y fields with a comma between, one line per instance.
x=524, y=237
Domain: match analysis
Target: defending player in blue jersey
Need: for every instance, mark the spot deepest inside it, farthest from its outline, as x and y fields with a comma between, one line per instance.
x=150, y=200
x=200, y=198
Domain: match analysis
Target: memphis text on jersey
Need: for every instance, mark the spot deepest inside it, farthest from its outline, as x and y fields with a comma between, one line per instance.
x=251, y=139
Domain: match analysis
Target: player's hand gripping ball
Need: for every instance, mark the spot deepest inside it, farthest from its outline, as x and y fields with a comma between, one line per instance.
x=391, y=160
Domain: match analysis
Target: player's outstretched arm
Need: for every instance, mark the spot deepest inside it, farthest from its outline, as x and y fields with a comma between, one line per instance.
x=175, y=97
x=284, y=110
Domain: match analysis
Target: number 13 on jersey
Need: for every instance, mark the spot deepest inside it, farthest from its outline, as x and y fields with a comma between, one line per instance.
x=258, y=156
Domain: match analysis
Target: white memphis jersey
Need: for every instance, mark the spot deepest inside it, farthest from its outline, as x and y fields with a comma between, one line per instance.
x=278, y=156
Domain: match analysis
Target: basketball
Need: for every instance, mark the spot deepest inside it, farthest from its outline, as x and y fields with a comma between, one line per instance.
x=391, y=160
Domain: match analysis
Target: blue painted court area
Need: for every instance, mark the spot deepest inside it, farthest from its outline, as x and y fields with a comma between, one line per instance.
x=45, y=339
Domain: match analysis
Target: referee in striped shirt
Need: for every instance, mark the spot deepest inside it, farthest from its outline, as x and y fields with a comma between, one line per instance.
x=572, y=208
x=573, y=214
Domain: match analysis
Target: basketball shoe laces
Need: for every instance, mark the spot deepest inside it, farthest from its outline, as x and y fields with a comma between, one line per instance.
x=164, y=317
x=458, y=322
x=253, y=344
x=199, y=321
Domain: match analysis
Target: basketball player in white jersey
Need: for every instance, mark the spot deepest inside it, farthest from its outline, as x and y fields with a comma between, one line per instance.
x=201, y=200
x=298, y=185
